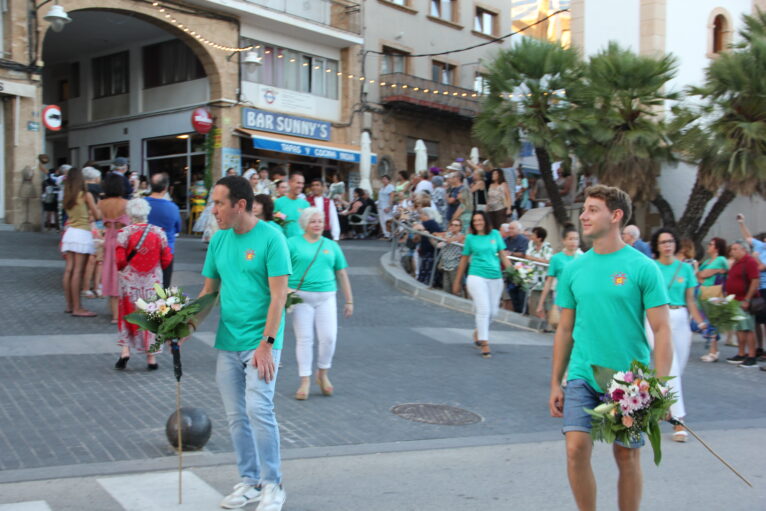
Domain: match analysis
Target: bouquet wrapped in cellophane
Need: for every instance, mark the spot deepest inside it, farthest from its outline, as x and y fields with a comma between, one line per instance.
x=521, y=274
x=634, y=402
x=723, y=313
x=170, y=314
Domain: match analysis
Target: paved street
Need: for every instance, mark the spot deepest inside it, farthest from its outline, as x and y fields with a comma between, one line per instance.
x=66, y=413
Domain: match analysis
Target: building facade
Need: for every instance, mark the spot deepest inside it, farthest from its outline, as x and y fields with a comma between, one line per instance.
x=434, y=98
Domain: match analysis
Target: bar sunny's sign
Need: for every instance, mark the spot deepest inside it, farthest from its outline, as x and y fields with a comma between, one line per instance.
x=255, y=119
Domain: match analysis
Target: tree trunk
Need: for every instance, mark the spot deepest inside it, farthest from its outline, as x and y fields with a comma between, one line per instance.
x=544, y=163
x=666, y=211
x=695, y=209
x=723, y=200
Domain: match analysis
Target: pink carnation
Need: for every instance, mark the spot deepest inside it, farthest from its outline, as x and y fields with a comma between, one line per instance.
x=628, y=377
x=627, y=421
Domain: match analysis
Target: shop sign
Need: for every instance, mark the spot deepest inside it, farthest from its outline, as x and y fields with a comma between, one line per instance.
x=231, y=158
x=33, y=126
x=255, y=119
x=311, y=151
x=52, y=117
x=201, y=120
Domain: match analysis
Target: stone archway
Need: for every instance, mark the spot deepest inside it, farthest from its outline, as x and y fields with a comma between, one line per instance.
x=222, y=72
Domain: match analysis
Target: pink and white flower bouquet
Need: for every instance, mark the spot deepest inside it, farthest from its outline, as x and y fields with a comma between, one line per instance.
x=634, y=403
x=521, y=274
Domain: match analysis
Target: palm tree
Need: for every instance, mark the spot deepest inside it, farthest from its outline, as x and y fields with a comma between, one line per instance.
x=619, y=135
x=532, y=71
x=726, y=135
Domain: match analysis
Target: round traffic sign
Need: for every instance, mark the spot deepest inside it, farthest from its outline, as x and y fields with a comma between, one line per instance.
x=52, y=117
x=201, y=120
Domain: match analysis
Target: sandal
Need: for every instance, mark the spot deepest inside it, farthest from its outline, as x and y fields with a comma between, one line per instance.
x=680, y=434
x=85, y=314
x=485, y=352
x=325, y=386
x=302, y=393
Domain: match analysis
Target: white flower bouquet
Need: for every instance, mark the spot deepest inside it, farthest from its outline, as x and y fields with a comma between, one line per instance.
x=521, y=274
x=723, y=313
x=170, y=314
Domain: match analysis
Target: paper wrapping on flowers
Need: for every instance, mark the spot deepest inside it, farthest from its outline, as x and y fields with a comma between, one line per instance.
x=723, y=313
x=170, y=314
x=521, y=274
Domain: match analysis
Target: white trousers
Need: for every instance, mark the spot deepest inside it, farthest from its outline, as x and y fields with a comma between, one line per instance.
x=486, y=301
x=317, y=312
x=384, y=217
x=681, y=337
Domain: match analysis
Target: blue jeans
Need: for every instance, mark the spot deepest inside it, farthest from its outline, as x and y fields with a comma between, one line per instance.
x=249, y=405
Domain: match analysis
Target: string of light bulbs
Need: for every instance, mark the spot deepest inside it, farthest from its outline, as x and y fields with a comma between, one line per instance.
x=173, y=21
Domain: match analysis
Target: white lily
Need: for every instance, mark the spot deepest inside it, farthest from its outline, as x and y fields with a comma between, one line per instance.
x=160, y=292
x=141, y=305
x=730, y=298
x=604, y=408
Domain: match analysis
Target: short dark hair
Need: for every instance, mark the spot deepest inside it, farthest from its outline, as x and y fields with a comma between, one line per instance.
x=316, y=180
x=113, y=185
x=296, y=173
x=268, y=205
x=568, y=229
x=386, y=176
x=239, y=189
x=614, y=198
x=160, y=182
x=655, y=242
x=359, y=192
x=487, y=225
x=404, y=174
x=540, y=232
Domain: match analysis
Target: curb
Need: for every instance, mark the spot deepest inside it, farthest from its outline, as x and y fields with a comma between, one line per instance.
x=392, y=272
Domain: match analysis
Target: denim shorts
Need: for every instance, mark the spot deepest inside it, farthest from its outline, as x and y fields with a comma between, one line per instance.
x=578, y=395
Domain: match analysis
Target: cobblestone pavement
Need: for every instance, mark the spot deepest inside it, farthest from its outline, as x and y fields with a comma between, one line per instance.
x=62, y=403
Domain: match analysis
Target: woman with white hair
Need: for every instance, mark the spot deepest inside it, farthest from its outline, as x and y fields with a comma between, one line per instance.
x=318, y=264
x=142, y=253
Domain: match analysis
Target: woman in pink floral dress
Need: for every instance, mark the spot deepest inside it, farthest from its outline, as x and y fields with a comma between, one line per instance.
x=142, y=253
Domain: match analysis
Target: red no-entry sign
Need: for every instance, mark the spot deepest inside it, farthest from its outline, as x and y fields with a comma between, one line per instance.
x=201, y=120
x=52, y=117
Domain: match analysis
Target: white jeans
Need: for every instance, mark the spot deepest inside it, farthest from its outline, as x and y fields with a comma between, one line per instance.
x=486, y=301
x=384, y=217
x=681, y=337
x=318, y=311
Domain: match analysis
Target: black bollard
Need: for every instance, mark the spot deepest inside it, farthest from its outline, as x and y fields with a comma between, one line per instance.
x=195, y=429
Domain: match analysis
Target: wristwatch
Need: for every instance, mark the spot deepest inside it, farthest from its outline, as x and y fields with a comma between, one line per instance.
x=268, y=339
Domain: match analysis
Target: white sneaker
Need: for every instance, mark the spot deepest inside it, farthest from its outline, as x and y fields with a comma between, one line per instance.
x=242, y=495
x=272, y=497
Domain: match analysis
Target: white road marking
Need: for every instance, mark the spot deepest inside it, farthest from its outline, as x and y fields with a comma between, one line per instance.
x=158, y=491
x=35, y=505
x=464, y=336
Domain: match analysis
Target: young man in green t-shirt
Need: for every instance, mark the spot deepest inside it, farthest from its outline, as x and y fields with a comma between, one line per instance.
x=291, y=205
x=249, y=263
x=604, y=295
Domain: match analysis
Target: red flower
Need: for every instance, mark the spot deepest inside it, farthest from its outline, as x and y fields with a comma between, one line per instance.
x=618, y=394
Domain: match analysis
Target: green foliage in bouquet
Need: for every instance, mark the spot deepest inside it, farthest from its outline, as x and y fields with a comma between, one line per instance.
x=520, y=274
x=634, y=402
x=723, y=313
x=170, y=315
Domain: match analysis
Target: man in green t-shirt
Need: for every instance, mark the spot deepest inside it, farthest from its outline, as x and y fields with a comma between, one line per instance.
x=249, y=263
x=291, y=205
x=604, y=295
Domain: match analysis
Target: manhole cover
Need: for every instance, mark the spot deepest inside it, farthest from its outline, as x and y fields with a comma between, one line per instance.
x=436, y=414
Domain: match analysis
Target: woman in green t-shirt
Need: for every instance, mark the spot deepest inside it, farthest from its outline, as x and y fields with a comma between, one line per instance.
x=680, y=282
x=486, y=250
x=571, y=239
x=711, y=275
x=317, y=262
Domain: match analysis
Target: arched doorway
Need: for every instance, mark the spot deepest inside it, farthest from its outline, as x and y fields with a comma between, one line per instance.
x=127, y=82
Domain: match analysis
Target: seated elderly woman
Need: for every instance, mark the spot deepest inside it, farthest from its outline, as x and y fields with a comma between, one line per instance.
x=142, y=253
x=426, y=250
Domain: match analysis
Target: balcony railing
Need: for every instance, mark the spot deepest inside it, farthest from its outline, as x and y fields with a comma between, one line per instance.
x=419, y=93
x=340, y=14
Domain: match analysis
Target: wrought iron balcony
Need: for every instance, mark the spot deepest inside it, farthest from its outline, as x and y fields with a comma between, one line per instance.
x=340, y=14
x=427, y=95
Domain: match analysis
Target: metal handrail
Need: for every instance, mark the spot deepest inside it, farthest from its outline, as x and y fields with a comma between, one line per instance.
x=398, y=226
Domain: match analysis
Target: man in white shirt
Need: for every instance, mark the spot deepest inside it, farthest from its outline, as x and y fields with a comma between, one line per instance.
x=425, y=184
x=385, y=205
x=318, y=200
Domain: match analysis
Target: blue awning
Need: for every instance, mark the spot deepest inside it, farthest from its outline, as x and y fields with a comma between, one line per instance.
x=303, y=147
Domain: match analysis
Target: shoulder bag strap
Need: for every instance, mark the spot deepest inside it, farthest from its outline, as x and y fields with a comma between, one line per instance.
x=140, y=243
x=310, y=264
x=678, y=268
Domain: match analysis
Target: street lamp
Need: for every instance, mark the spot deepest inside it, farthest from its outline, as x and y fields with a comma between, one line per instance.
x=252, y=61
x=57, y=17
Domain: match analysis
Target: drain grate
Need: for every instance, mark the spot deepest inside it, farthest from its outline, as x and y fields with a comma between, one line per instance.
x=436, y=414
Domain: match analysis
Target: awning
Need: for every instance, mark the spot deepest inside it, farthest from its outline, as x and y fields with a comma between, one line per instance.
x=304, y=147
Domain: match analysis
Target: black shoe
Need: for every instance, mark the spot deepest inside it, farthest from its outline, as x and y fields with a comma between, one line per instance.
x=736, y=359
x=749, y=363
x=759, y=352
x=121, y=363
x=152, y=367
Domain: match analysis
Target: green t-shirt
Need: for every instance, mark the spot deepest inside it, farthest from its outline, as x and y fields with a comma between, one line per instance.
x=684, y=279
x=719, y=263
x=292, y=209
x=484, y=249
x=243, y=263
x=559, y=261
x=609, y=294
x=321, y=275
